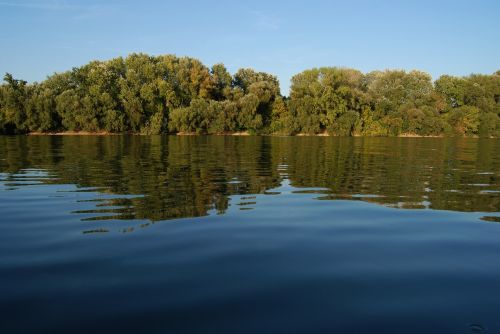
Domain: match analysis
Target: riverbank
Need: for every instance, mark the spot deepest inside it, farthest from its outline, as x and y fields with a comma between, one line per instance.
x=237, y=134
x=240, y=133
x=72, y=133
x=106, y=133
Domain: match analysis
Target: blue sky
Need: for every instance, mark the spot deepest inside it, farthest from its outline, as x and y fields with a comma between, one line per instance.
x=456, y=37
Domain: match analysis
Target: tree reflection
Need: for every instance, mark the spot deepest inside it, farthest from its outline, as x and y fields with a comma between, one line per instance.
x=172, y=177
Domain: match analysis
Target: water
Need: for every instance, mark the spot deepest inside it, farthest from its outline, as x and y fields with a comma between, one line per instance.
x=249, y=235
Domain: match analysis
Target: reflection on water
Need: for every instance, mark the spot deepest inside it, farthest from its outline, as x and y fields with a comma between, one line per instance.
x=249, y=235
x=159, y=178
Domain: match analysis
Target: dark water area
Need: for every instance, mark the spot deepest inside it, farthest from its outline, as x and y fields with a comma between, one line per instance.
x=161, y=234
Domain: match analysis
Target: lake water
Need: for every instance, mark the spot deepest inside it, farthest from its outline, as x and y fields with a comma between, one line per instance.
x=249, y=235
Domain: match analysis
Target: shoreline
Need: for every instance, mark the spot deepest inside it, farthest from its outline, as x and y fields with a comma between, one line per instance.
x=72, y=133
x=235, y=134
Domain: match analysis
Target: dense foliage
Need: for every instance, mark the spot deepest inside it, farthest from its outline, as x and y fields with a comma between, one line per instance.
x=152, y=95
x=390, y=103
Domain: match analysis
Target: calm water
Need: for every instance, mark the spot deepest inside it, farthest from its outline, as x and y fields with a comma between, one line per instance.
x=249, y=235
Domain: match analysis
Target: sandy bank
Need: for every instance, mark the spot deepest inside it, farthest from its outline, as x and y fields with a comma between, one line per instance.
x=72, y=133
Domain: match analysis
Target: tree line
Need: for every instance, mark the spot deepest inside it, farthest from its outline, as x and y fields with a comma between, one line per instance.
x=168, y=94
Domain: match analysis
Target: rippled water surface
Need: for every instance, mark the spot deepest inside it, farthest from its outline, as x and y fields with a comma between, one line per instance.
x=249, y=235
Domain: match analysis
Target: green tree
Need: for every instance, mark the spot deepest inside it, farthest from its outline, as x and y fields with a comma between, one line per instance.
x=14, y=100
x=222, y=82
x=464, y=120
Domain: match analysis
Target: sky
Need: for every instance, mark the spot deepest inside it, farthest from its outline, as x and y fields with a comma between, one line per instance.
x=38, y=38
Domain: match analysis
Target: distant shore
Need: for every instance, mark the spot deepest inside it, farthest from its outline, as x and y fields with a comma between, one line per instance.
x=145, y=95
x=72, y=133
x=240, y=134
